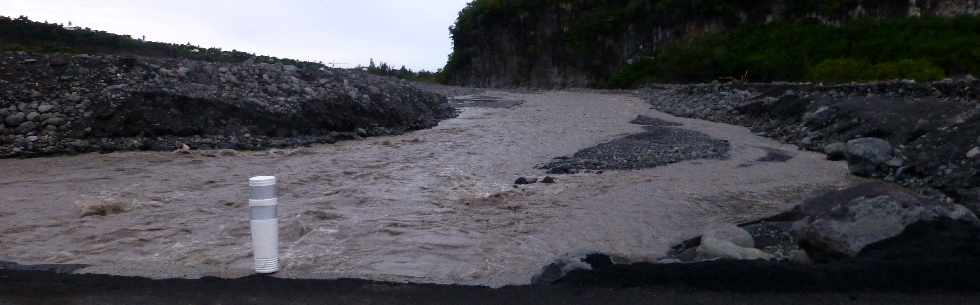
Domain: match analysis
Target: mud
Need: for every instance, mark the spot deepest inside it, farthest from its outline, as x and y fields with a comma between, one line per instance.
x=433, y=206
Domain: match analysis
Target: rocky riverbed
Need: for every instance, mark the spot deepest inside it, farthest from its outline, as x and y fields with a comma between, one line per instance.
x=67, y=104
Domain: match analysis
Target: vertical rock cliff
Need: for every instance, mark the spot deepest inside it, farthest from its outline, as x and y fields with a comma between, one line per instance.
x=579, y=43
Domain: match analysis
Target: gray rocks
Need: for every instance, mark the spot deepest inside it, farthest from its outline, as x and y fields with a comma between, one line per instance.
x=658, y=146
x=866, y=156
x=836, y=151
x=730, y=233
x=729, y=242
x=119, y=103
x=973, y=153
x=525, y=181
x=841, y=224
x=27, y=127
x=15, y=119
x=716, y=248
x=55, y=121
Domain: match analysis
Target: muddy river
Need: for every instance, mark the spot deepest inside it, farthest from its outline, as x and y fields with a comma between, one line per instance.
x=432, y=206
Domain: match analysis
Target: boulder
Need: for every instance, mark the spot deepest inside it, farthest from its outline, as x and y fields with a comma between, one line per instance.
x=15, y=119
x=525, y=181
x=840, y=224
x=973, y=153
x=730, y=233
x=836, y=151
x=717, y=248
x=867, y=157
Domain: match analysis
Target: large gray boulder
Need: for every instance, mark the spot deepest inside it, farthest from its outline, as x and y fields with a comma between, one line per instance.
x=730, y=233
x=836, y=151
x=712, y=248
x=729, y=241
x=841, y=224
x=866, y=157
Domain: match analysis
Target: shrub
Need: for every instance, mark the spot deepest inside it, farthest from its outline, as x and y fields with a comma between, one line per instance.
x=920, y=70
x=841, y=70
x=922, y=49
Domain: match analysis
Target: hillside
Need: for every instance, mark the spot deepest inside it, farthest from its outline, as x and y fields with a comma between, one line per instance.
x=619, y=43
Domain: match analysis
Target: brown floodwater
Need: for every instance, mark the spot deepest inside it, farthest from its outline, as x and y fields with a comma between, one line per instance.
x=433, y=206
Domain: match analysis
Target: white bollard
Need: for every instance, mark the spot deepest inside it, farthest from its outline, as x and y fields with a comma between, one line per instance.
x=264, y=215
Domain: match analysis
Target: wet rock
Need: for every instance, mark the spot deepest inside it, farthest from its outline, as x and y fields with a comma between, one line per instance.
x=973, y=153
x=840, y=224
x=549, y=180
x=525, y=181
x=565, y=265
x=658, y=146
x=44, y=108
x=836, y=151
x=940, y=240
x=867, y=156
x=183, y=149
x=33, y=116
x=730, y=233
x=716, y=248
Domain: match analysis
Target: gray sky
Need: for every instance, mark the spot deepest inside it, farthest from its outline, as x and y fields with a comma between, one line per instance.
x=401, y=32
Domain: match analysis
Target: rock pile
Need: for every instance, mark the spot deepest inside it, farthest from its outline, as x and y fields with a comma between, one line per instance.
x=56, y=104
x=919, y=135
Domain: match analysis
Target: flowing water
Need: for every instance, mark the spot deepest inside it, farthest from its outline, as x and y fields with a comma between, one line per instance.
x=434, y=206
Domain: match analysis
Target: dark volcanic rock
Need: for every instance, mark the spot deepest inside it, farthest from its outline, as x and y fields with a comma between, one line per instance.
x=931, y=126
x=525, y=181
x=836, y=151
x=940, y=240
x=841, y=223
x=657, y=146
x=91, y=103
x=867, y=157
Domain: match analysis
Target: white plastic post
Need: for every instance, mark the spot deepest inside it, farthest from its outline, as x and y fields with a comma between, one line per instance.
x=264, y=215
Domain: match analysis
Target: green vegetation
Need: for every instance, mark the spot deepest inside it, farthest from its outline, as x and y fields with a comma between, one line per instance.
x=594, y=37
x=850, y=70
x=908, y=48
x=384, y=69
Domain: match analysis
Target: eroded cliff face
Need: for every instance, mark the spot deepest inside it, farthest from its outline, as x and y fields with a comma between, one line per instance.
x=577, y=43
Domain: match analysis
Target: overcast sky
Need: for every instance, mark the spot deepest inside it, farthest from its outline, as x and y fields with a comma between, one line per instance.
x=401, y=32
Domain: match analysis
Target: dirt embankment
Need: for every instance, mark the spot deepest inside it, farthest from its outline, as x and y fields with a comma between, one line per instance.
x=61, y=104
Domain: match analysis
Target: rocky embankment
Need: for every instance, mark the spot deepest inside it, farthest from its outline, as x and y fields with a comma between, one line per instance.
x=925, y=136
x=919, y=140
x=62, y=104
x=917, y=145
